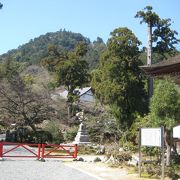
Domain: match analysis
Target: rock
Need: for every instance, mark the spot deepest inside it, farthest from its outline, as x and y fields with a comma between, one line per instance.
x=104, y=159
x=79, y=159
x=42, y=160
x=134, y=161
x=97, y=159
x=100, y=149
x=112, y=160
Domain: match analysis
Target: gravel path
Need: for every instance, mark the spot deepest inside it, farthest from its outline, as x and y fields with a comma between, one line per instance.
x=21, y=169
x=31, y=169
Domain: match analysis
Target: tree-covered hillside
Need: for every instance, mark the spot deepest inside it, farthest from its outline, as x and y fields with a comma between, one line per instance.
x=37, y=49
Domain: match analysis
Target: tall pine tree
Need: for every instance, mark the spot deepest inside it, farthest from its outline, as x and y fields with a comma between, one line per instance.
x=118, y=81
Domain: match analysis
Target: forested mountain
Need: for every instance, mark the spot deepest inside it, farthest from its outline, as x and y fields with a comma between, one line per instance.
x=37, y=49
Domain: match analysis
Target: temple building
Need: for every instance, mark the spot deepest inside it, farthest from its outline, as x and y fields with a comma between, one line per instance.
x=169, y=67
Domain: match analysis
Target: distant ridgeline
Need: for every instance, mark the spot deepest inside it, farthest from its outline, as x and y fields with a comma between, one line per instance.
x=37, y=49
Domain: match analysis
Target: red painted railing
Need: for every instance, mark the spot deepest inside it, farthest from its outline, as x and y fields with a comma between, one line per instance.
x=59, y=151
x=39, y=151
x=35, y=153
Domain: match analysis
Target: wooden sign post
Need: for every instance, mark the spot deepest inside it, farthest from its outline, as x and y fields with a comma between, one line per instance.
x=151, y=137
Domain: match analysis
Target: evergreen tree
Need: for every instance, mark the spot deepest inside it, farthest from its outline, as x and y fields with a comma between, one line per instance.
x=72, y=73
x=117, y=81
x=159, y=33
x=165, y=110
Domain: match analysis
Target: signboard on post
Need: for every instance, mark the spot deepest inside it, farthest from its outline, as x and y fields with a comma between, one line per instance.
x=151, y=137
x=176, y=132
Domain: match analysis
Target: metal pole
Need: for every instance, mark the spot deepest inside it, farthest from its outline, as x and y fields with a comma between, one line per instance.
x=162, y=149
x=139, y=152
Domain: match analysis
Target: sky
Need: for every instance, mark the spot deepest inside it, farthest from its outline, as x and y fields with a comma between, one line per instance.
x=22, y=20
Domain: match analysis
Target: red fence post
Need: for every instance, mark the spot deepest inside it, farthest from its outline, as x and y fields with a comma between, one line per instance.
x=76, y=151
x=42, y=155
x=1, y=149
x=39, y=151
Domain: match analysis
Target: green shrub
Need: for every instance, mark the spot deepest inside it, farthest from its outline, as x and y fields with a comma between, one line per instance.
x=152, y=169
x=173, y=171
x=20, y=134
x=70, y=134
x=41, y=136
x=175, y=159
x=53, y=129
x=120, y=157
x=123, y=157
x=1, y=127
x=102, y=128
x=151, y=151
x=129, y=146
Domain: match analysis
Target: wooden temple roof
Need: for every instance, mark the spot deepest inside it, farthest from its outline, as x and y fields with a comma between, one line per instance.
x=169, y=66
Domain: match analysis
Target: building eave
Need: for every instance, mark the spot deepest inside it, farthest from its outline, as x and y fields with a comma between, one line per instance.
x=170, y=66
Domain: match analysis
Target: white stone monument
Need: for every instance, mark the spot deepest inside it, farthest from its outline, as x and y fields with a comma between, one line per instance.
x=82, y=134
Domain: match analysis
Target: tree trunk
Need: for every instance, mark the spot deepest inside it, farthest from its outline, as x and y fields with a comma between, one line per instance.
x=150, y=86
x=149, y=58
x=168, y=146
x=149, y=49
x=33, y=127
x=69, y=112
